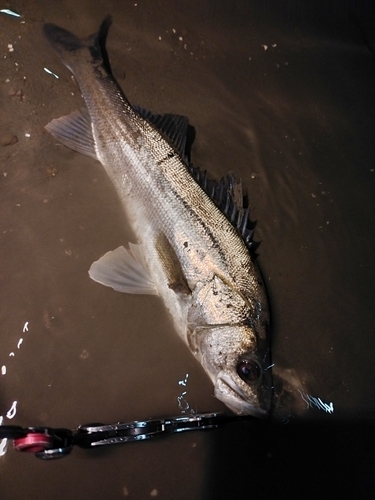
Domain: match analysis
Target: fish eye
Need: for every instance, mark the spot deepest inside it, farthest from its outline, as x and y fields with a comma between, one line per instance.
x=249, y=370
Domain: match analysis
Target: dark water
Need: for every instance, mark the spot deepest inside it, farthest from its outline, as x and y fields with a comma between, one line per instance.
x=282, y=96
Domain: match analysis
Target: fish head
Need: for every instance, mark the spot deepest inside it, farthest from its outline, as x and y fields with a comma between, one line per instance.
x=238, y=363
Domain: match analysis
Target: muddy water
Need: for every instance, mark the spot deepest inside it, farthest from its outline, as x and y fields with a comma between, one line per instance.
x=288, y=105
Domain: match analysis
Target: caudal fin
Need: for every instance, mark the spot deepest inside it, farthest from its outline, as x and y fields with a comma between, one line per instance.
x=73, y=50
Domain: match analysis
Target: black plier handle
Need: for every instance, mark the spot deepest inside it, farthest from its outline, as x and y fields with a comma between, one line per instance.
x=49, y=443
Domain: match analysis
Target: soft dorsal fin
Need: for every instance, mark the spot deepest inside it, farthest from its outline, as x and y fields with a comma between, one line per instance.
x=174, y=127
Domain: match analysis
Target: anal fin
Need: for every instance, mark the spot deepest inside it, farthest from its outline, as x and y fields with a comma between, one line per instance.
x=75, y=132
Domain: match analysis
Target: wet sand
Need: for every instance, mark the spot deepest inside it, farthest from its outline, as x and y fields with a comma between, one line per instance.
x=284, y=99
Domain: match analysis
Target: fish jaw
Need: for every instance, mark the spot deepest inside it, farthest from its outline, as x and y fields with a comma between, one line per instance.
x=238, y=401
x=237, y=361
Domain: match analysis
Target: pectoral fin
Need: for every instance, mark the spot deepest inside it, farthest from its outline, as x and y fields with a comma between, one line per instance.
x=124, y=271
x=171, y=265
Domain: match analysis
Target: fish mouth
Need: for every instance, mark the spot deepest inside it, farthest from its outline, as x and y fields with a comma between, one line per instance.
x=234, y=398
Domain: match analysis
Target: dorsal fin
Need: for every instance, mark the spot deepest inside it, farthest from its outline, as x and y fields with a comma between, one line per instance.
x=174, y=127
x=228, y=196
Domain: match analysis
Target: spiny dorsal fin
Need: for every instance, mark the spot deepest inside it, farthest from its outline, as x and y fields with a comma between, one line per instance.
x=228, y=196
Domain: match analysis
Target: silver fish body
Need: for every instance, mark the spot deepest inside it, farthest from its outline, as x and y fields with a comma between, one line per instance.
x=188, y=252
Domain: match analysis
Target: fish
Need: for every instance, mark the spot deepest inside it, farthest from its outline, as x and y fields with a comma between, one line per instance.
x=193, y=234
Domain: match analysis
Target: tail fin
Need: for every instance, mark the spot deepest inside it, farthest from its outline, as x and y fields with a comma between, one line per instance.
x=70, y=48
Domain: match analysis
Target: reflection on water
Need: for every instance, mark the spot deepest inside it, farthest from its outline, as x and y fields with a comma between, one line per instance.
x=10, y=12
x=312, y=402
x=12, y=411
x=3, y=442
x=182, y=402
x=51, y=73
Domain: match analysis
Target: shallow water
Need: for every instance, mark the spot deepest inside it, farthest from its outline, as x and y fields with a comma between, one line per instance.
x=286, y=104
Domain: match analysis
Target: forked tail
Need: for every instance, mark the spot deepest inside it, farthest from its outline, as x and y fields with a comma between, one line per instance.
x=75, y=51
